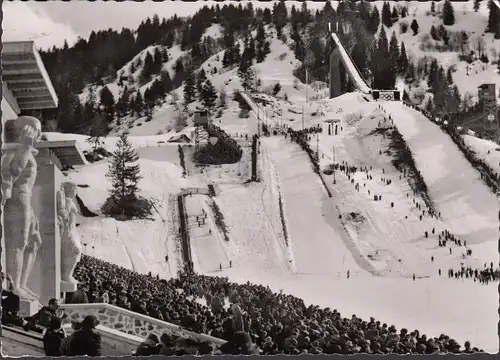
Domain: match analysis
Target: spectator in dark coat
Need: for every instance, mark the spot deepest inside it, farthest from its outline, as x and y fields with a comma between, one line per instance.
x=64, y=350
x=150, y=346
x=44, y=316
x=53, y=337
x=86, y=341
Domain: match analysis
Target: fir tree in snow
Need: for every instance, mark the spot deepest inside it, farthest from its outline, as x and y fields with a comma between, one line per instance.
x=477, y=5
x=276, y=89
x=236, y=53
x=403, y=59
x=433, y=7
x=305, y=15
x=189, y=89
x=166, y=80
x=251, y=47
x=209, y=96
x=493, y=18
x=138, y=106
x=108, y=103
x=124, y=173
x=147, y=69
x=394, y=14
x=448, y=13
x=200, y=80
x=386, y=14
x=414, y=27
x=410, y=73
x=123, y=102
x=394, y=52
x=374, y=21
x=157, y=61
x=97, y=131
x=404, y=12
x=433, y=33
x=246, y=74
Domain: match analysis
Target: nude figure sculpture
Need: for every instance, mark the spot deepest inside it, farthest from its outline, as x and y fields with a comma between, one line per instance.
x=71, y=246
x=19, y=172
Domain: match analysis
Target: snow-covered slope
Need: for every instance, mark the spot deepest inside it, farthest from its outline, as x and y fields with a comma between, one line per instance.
x=465, y=201
x=466, y=19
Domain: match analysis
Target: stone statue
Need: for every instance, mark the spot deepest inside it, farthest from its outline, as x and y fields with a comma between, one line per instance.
x=71, y=246
x=19, y=171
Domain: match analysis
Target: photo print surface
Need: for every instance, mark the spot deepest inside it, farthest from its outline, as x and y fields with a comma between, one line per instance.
x=250, y=178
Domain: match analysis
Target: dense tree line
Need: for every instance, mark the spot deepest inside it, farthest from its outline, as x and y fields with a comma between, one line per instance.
x=91, y=63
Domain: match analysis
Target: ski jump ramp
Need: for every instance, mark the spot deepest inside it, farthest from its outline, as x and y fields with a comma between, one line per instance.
x=358, y=80
x=350, y=67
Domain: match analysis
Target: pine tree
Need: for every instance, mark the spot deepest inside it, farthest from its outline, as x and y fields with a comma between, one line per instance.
x=493, y=18
x=433, y=7
x=477, y=5
x=394, y=14
x=122, y=105
x=189, y=89
x=209, y=96
x=410, y=73
x=404, y=12
x=124, y=175
x=433, y=73
x=157, y=61
x=108, y=103
x=305, y=15
x=147, y=69
x=226, y=58
x=386, y=15
x=394, y=53
x=414, y=27
x=434, y=33
x=138, y=103
x=403, y=60
x=97, y=131
x=374, y=21
x=245, y=73
x=251, y=47
x=166, y=80
x=200, y=80
x=236, y=53
x=448, y=13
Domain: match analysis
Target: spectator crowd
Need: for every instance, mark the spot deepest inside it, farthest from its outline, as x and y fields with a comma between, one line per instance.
x=252, y=318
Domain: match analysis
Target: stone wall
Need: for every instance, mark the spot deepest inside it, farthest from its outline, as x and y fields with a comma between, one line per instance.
x=129, y=322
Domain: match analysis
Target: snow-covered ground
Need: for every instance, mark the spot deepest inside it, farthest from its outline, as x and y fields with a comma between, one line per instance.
x=323, y=253
x=381, y=246
x=320, y=252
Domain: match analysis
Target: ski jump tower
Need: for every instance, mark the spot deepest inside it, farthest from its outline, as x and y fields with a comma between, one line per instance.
x=201, y=122
x=338, y=53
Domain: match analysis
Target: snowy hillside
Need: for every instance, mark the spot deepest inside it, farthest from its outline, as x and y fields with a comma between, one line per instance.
x=362, y=241
x=467, y=20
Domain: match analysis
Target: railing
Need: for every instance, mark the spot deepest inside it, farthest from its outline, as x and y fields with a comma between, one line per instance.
x=129, y=322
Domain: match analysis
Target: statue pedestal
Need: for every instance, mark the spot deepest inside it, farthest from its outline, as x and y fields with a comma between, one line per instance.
x=28, y=308
x=67, y=287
